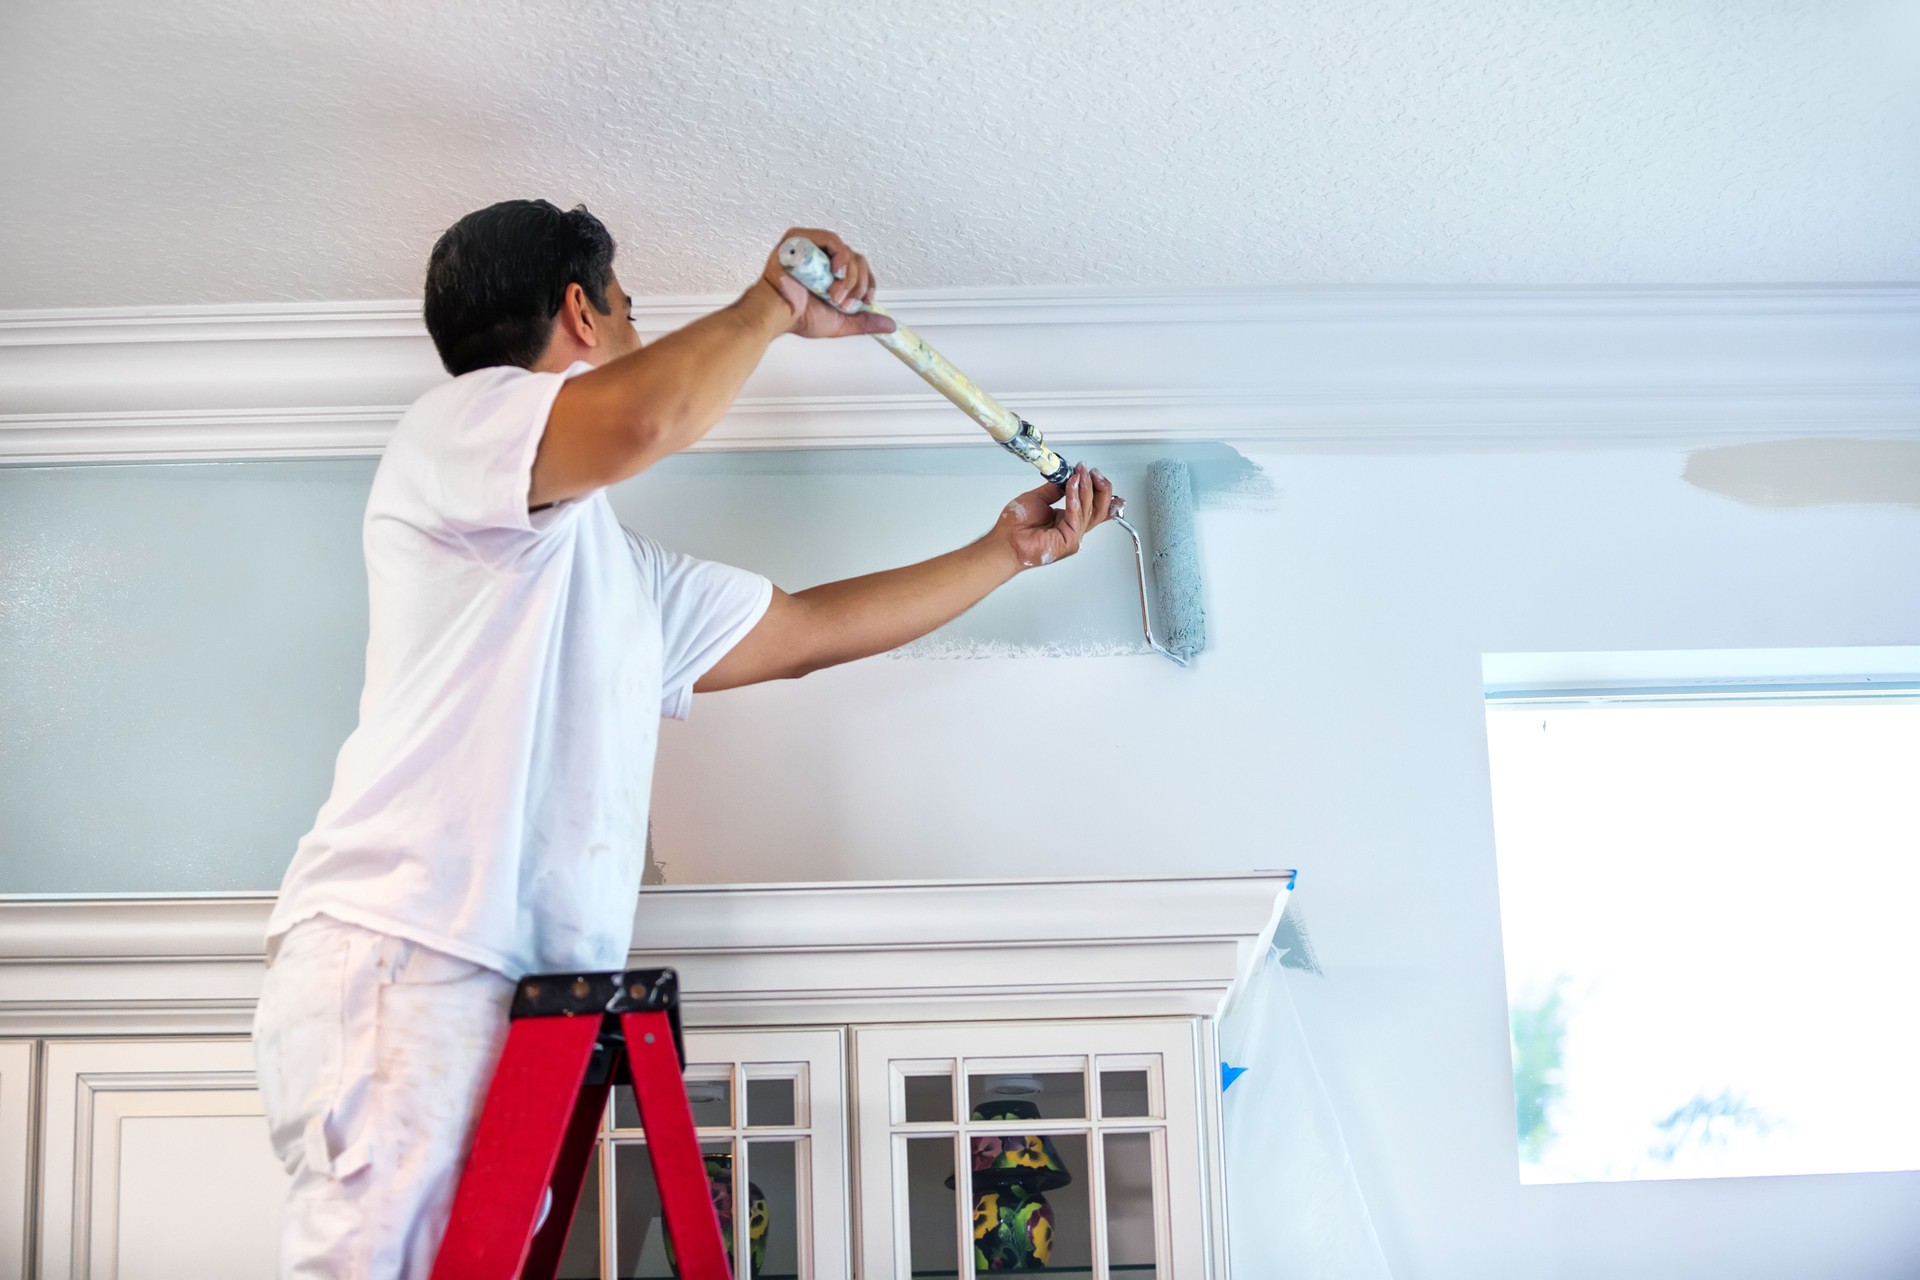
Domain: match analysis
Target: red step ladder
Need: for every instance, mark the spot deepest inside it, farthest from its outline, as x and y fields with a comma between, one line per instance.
x=572, y=1037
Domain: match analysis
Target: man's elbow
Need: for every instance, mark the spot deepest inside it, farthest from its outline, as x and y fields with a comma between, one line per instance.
x=647, y=439
x=802, y=665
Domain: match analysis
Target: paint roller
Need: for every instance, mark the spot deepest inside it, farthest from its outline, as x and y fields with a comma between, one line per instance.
x=1175, y=556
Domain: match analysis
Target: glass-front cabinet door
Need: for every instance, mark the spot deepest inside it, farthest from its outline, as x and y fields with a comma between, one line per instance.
x=770, y=1107
x=1072, y=1147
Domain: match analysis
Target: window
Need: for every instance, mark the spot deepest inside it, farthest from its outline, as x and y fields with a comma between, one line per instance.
x=1709, y=869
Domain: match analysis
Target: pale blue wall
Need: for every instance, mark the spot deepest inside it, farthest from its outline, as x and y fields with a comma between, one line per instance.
x=180, y=657
x=181, y=644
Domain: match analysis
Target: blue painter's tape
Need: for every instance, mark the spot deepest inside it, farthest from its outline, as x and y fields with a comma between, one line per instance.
x=1228, y=1074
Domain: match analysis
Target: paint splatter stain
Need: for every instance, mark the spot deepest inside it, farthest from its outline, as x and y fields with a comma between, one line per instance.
x=1810, y=473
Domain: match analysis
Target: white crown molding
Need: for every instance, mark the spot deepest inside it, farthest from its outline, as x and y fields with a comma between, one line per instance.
x=1307, y=368
x=747, y=954
x=998, y=307
x=208, y=435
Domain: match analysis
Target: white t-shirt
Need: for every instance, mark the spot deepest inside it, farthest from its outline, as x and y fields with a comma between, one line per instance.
x=492, y=803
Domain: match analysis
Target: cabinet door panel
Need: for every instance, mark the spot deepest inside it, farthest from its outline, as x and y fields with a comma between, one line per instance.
x=771, y=1109
x=16, y=1151
x=1074, y=1145
x=157, y=1163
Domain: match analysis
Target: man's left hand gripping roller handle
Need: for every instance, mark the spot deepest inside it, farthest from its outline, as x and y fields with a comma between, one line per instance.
x=807, y=262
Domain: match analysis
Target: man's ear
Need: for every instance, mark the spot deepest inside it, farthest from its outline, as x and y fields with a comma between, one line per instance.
x=578, y=315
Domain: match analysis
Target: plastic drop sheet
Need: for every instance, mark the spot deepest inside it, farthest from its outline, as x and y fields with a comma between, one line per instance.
x=1294, y=1206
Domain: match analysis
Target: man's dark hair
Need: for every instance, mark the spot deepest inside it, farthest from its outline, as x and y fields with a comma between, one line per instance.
x=497, y=277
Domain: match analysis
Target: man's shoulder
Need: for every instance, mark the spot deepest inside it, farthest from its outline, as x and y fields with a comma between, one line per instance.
x=452, y=416
x=467, y=392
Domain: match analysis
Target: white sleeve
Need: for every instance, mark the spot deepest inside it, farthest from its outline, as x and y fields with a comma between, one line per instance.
x=706, y=608
x=478, y=445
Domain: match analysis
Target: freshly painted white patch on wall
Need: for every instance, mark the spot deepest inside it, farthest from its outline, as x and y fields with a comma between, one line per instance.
x=223, y=150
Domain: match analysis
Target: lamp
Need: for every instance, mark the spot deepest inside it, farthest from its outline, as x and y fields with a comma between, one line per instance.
x=1012, y=1221
x=719, y=1167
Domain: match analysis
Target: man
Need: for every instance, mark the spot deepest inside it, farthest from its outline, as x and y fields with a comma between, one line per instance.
x=489, y=813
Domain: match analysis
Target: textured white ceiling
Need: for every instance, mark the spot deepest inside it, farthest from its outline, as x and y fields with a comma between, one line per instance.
x=241, y=150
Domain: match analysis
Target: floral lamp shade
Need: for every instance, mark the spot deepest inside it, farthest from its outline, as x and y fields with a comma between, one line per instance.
x=1027, y=1160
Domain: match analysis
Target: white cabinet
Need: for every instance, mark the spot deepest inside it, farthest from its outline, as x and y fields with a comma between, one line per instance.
x=852, y=1049
x=1078, y=1147
x=156, y=1163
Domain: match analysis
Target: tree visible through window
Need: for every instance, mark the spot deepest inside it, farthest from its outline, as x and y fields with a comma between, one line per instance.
x=1707, y=906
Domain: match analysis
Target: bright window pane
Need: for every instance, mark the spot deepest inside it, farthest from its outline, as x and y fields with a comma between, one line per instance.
x=1707, y=910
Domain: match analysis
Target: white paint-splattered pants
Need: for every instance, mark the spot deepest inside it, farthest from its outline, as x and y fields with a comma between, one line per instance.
x=374, y=1055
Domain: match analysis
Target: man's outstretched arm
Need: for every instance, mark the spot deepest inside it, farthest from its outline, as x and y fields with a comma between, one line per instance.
x=838, y=622
x=629, y=413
